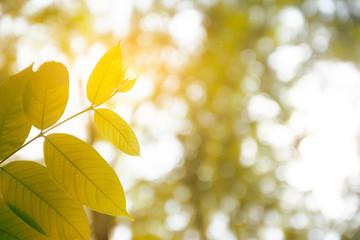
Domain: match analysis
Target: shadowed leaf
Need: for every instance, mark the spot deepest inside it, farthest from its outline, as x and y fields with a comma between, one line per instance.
x=27, y=187
x=12, y=227
x=14, y=125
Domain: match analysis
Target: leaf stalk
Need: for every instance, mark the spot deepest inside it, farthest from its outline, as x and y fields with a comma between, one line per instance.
x=43, y=132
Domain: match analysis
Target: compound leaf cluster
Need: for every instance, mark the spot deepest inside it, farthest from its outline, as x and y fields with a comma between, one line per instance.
x=46, y=202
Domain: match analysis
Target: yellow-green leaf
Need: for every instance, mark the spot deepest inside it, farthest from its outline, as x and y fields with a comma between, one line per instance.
x=13, y=228
x=117, y=131
x=127, y=84
x=14, y=125
x=81, y=171
x=34, y=197
x=46, y=94
x=105, y=77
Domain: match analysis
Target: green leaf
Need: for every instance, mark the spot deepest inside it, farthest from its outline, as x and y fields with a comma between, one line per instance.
x=12, y=227
x=105, y=77
x=117, y=131
x=33, y=196
x=14, y=125
x=46, y=95
x=83, y=174
x=127, y=85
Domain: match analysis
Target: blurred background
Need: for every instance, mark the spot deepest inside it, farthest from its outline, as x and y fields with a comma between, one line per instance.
x=247, y=112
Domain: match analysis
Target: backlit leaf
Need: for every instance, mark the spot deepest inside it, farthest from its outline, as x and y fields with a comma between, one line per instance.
x=126, y=85
x=105, y=77
x=14, y=125
x=46, y=94
x=12, y=227
x=33, y=196
x=117, y=131
x=80, y=170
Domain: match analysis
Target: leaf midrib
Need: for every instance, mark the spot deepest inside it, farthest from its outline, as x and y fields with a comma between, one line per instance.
x=127, y=142
x=65, y=156
x=44, y=103
x=3, y=169
x=16, y=237
x=103, y=77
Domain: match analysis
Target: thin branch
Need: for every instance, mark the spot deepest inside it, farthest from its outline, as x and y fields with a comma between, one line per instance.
x=42, y=132
x=24, y=145
x=85, y=110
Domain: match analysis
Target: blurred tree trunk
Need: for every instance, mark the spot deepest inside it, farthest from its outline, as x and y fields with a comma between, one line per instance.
x=101, y=224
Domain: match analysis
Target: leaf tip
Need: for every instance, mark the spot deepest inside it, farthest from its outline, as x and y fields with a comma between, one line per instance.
x=118, y=46
x=129, y=217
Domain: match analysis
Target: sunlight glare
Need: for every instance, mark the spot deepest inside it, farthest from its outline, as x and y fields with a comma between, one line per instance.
x=122, y=232
x=187, y=30
x=328, y=101
x=291, y=22
x=218, y=228
x=286, y=60
x=109, y=14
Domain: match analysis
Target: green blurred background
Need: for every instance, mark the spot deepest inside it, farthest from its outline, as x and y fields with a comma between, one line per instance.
x=247, y=112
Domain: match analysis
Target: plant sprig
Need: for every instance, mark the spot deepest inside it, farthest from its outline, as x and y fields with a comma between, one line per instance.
x=75, y=172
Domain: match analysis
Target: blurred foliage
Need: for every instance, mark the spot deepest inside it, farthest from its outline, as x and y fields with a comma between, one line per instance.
x=212, y=189
x=219, y=183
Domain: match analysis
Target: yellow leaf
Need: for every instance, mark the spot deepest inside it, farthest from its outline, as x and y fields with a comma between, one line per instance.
x=105, y=77
x=13, y=228
x=34, y=197
x=14, y=125
x=83, y=174
x=46, y=94
x=127, y=84
x=117, y=131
